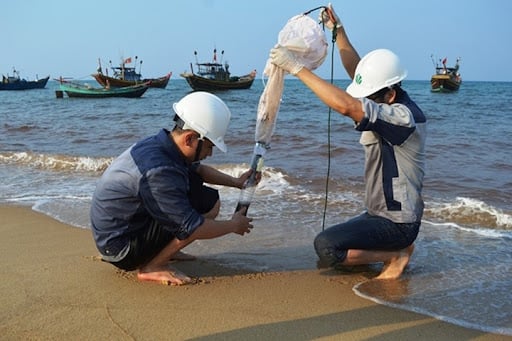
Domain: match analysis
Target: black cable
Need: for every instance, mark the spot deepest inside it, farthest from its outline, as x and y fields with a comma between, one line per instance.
x=328, y=175
x=314, y=9
x=333, y=40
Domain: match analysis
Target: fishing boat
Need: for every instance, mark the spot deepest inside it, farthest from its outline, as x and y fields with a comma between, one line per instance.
x=446, y=79
x=74, y=89
x=124, y=75
x=212, y=76
x=15, y=82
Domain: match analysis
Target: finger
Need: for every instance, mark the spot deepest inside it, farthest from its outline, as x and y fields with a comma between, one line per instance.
x=321, y=16
x=325, y=15
x=241, y=211
x=331, y=16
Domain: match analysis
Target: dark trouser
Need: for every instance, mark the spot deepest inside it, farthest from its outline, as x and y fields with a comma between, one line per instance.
x=146, y=244
x=365, y=232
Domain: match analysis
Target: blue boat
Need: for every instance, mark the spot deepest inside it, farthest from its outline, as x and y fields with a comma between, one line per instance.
x=14, y=82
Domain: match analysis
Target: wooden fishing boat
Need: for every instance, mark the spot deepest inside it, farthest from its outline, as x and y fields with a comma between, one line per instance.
x=73, y=89
x=14, y=82
x=215, y=76
x=446, y=79
x=124, y=75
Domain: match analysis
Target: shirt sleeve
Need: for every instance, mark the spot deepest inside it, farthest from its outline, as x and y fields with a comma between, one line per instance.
x=394, y=122
x=164, y=191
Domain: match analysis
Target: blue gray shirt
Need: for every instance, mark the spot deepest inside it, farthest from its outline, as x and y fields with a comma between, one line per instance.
x=394, y=137
x=149, y=181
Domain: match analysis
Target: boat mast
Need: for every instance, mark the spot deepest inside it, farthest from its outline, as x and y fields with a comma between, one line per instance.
x=433, y=61
x=99, y=70
x=140, y=66
x=197, y=63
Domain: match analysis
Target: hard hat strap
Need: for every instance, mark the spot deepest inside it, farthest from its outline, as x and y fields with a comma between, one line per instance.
x=198, y=149
x=179, y=122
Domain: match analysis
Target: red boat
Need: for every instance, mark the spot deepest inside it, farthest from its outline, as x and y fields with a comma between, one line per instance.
x=124, y=75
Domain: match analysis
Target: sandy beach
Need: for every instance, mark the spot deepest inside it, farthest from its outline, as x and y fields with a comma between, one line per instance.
x=55, y=287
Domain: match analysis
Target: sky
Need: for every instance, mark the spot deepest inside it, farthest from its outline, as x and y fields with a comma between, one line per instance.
x=66, y=38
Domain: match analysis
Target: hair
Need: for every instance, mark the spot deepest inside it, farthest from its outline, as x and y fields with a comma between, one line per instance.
x=179, y=124
x=382, y=92
x=177, y=130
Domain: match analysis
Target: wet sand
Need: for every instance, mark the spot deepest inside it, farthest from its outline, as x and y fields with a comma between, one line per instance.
x=55, y=287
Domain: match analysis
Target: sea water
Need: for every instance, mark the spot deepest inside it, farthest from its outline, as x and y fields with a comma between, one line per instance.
x=52, y=152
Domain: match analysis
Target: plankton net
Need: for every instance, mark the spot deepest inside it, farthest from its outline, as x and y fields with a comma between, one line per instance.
x=305, y=38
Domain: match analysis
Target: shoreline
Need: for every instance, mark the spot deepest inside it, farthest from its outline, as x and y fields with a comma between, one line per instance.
x=55, y=287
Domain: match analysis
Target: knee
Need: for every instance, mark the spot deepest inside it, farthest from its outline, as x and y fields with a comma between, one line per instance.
x=321, y=243
x=329, y=253
x=214, y=212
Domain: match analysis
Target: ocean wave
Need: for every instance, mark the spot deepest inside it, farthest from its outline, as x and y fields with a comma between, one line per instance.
x=472, y=213
x=22, y=129
x=55, y=162
x=368, y=289
x=484, y=232
x=273, y=181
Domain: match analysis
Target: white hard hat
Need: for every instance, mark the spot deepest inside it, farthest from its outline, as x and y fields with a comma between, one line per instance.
x=378, y=69
x=206, y=114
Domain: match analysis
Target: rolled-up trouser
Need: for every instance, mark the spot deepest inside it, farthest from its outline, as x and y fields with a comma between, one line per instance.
x=364, y=232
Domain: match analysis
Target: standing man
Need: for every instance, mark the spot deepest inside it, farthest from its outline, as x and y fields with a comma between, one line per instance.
x=151, y=202
x=393, y=133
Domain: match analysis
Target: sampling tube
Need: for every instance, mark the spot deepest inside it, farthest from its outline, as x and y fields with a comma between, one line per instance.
x=249, y=188
x=305, y=38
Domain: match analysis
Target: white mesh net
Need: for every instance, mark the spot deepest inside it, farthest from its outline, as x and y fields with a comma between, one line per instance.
x=305, y=38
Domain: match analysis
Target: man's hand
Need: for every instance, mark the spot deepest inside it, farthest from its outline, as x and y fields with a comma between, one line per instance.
x=240, y=181
x=283, y=58
x=242, y=223
x=329, y=18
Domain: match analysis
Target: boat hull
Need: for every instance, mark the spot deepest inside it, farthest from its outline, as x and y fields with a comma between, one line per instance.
x=76, y=91
x=25, y=85
x=160, y=82
x=444, y=83
x=197, y=82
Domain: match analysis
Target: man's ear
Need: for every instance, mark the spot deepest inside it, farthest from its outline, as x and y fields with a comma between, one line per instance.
x=390, y=96
x=189, y=138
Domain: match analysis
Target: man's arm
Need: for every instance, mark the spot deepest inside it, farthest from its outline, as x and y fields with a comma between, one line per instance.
x=332, y=96
x=216, y=177
x=348, y=54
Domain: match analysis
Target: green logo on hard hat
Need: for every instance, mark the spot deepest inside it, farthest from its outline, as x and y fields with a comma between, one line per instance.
x=359, y=79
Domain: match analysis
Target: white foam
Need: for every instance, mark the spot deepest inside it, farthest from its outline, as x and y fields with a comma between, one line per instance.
x=56, y=161
x=471, y=211
x=458, y=322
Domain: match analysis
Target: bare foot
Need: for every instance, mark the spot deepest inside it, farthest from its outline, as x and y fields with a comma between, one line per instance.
x=394, y=268
x=166, y=275
x=182, y=256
